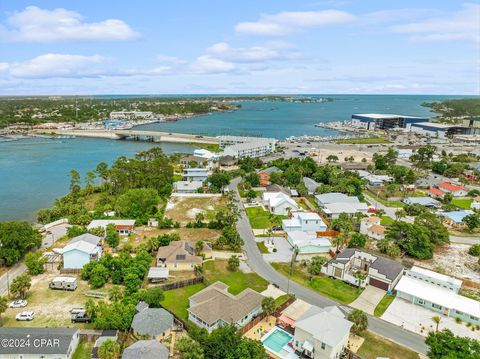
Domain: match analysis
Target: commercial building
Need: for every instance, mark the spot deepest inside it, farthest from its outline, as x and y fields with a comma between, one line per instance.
x=214, y=307
x=241, y=147
x=376, y=121
x=131, y=115
x=47, y=343
x=322, y=333
x=439, y=293
x=381, y=272
x=439, y=130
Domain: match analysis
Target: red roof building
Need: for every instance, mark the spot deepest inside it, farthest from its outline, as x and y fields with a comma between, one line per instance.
x=435, y=192
x=450, y=187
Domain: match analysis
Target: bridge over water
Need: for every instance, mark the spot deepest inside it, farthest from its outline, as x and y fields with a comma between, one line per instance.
x=137, y=135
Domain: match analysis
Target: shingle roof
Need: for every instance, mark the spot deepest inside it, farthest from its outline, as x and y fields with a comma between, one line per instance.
x=450, y=186
x=377, y=229
x=335, y=197
x=311, y=184
x=146, y=349
x=178, y=251
x=86, y=237
x=214, y=303
x=63, y=335
x=270, y=170
x=152, y=321
x=82, y=246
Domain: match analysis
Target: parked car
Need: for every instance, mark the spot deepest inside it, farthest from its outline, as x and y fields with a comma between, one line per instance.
x=25, y=316
x=81, y=317
x=276, y=228
x=20, y=303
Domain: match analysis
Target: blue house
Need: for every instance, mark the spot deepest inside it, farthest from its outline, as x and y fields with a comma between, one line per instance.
x=79, y=253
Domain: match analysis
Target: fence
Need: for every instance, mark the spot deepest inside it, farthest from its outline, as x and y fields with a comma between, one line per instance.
x=182, y=283
x=70, y=270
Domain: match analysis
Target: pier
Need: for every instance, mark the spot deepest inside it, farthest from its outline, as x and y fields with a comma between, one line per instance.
x=135, y=135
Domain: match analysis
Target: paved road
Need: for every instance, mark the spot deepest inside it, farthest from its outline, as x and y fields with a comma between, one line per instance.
x=13, y=272
x=465, y=240
x=265, y=270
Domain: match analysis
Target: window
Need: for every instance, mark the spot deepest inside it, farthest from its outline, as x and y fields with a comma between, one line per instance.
x=436, y=306
x=323, y=346
x=458, y=312
x=421, y=301
x=474, y=318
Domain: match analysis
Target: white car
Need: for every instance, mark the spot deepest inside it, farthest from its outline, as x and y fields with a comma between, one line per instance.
x=18, y=303
x=27, y=315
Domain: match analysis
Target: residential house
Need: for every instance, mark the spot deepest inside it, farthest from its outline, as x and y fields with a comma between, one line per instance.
x=264, y=175
x=227, y=161
x=146, y=349
x=196, y=174
x=373, y=179
x=311, y=185
x=195, y=161
x=381, y=272
x=367, y=222
x=435, y=193
x=214, y=307
x=455, y=190
x=475, y=203
x=455, y=218
x=158, y=274
x=178, y=256
x=155, y=323
x=279, y=203
x=308, y=244
x=334, y=197
x=60, y=343
x=438, y=293
x=106, y=335
x=376, y=232
x=292, y=313
x=187, y=186
x=123, y=226
x=277, y=188
x=322, y=333
x=422, y=201
x=81, y=250
x=333, y=210
x=304, y=221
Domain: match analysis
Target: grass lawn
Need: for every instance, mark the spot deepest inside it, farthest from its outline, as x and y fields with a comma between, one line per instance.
x=332, y=288
x=386, y=221
x=212, y=147
x=464, y=203
x=375, y=346
x=237, y=281
x=383, y=305
x=176, y=300
x=262, y=247
x=363, y=140
x=261, y=219
x=384, y=201
x=282, y=299
x=84, y=350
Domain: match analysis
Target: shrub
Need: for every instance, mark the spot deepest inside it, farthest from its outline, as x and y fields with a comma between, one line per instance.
x=474, y=250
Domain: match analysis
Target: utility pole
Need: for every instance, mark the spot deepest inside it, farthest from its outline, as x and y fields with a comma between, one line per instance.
x=8, y=283
x=292, y=262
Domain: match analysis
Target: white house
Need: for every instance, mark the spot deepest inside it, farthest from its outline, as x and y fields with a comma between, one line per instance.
x=334, y=197
x=187, y=186
x=439, y=293
x=279, y=203
x=304, y=221
x=475, y=203
x=372, y=228
x=123, y=226
x=333, y=210
x=214, y=307
x=196, y=174
x=381, y=272
x=58, y=343
x=308, y=243
x=373, y=179
x=322, y=333
x=79, y=253
x=367, y=222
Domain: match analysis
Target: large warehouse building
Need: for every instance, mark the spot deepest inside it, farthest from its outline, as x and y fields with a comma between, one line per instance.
x=377, y=121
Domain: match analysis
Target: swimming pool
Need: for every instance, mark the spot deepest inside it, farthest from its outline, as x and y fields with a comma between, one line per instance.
x=276, y=341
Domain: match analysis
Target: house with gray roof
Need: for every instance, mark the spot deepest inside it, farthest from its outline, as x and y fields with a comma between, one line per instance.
x=153, y=322
x=59, y=343
x=423, y=201
x=214, y=307
x=311, y=185
x=146, y=349
x=87, y=237
x=334, y=203
x=381, y=272
x=322, y=333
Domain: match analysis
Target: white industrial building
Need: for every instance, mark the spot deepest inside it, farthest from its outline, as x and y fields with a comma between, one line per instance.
x=241, y=147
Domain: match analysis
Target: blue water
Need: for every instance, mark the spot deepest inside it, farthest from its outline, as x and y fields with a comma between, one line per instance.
x=277, y=340
x=34, y=172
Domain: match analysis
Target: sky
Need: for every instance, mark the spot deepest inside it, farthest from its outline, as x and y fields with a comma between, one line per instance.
x=239, y=47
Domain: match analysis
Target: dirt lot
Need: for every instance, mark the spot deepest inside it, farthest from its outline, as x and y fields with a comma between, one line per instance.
x=51, y=307
x=184, y=209
x=454, y=260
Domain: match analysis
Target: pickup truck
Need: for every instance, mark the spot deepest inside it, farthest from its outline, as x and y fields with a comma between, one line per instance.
x=81, y=317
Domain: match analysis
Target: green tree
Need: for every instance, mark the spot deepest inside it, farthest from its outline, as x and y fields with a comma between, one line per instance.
x=252, y=349
x=99, y=276
x=20, y=286
x=315, y=265
x=189, y=348
x=111, y=235
x=16, y=239
x=115, y=293
x=3, y=306
x=35, y=262
x=411, y=238
x=268, y=305
x=474, y=250
x=138, y=203
x=422, y=159
x=436, y=319
x=199, y=247
x=102, y=171
x=233, y=263
x=218, y=181
x=252, y=179
x=332, y=158
x=472, y=221
x=89, y=181
x=109, y=349
x=251, y=195
x=132, y=283
x=360, y=277
x=437, y=232
x=444, y=344
x=357, y=240
x=359, y=320
x=74, y=181
x=152, y=296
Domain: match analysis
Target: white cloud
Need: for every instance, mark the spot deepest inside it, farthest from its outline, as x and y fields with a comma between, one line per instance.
x=34, y=24
x=207, y=64
x=251, y=54
x=55, y=65
x=287, y=22
x=463, y=25
x=170, y=59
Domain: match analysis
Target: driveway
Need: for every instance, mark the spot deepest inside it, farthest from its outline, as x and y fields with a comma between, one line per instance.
x=369, y=299
x=419, y=319
x=283, y=253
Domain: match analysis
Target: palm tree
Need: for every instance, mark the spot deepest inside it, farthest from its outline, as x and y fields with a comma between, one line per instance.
x=436, y=319
x=269, y=234
x=338, y=242
x=360, y=277
x=399, y=214
x=109, y=349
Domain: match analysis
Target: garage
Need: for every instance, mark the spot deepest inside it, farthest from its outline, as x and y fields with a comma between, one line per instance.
x=379, y=284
